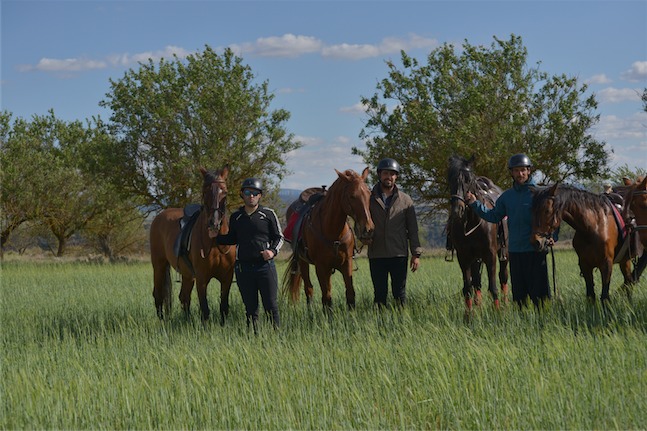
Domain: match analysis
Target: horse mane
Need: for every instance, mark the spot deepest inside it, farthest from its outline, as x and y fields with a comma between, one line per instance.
x=567, y=195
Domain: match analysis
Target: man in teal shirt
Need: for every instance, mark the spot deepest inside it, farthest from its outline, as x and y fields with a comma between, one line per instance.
x=528, y=268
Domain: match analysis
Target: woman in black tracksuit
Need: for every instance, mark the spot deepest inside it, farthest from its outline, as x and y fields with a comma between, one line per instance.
x=257, y=234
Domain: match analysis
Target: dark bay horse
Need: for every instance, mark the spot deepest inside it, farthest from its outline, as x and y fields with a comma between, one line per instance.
x=597, y=238
x=474, y=239
x=636, y=203
x=327, y=241
x=204, y=259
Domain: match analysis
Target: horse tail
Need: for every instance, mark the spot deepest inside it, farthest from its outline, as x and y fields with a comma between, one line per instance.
x=292, y=278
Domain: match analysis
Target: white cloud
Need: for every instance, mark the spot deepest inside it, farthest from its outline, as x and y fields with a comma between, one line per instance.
x=613, y=128
x=118, y=60
x=357, y=108
x=65, y=65
x=289, y=90
x=124, y=60
x=288, y=45
x=598, y=79
x=388, y=45
x=637, y=72
x=617, y=95
x=627, y=137
x=314, y=164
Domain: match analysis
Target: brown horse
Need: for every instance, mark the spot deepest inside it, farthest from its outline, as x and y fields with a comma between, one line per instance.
x=327, y=240
x=475, y=240
x=204, y=259
x=597, y=238
x=636, y=202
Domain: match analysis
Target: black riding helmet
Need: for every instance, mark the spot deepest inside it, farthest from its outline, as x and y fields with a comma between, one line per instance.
x=252, y=183
x=519, y=160
x=389, y=164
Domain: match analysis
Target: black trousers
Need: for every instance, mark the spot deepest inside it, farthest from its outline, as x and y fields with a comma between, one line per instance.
x=255, y=278
x=529, y=276
x=397, y=268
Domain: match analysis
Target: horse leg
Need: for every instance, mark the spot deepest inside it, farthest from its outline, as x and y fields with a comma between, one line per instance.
x=476, y=281
x=467, y=286
x=308, y=287
x=640, y=266
x=586, y=271
x=201, y=287
x=185, y=294
x=162, y=288
x=225, y=288
x=605, y=272
x=350, y=290
x=490, y=264
x=323, y=275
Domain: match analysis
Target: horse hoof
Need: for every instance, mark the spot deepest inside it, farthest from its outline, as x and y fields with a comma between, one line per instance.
x=496, y=304
x=504, y=290
x=468, y=305
x=479, y=298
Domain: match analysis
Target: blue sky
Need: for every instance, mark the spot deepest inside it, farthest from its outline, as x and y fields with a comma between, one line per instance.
x=320, y=57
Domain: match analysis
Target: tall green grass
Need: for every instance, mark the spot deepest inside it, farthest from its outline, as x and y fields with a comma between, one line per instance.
x=82, y=348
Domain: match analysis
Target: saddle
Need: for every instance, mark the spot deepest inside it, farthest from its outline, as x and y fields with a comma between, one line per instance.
x=627, y=234
x=301, y=208
x=183, y=241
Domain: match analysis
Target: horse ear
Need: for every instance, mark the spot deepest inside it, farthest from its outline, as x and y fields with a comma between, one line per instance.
x=643, y=183
x=626, y=181
x=553, y=189
x=365, y=173
x=225, y=172
x=203, y=171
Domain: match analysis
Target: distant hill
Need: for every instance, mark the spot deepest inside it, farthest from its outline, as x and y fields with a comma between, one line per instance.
x=288, y=196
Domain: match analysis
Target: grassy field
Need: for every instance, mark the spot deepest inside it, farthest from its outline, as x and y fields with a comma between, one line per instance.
x=82, y=348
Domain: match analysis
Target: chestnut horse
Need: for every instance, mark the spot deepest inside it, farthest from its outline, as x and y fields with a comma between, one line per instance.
x=474, y=239
x=327, y=241
x=636, y=202
x=204, y=260
x=597, y=237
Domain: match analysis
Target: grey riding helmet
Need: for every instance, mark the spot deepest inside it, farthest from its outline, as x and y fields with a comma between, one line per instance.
x=252, y=183
x=519, y=160
x=388, y=164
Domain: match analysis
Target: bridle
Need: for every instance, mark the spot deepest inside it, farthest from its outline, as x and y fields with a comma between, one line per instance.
x=220, y=204
x=465, y=182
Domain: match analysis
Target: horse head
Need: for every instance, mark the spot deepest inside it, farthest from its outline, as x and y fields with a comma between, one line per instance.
x=355, y=201
x=546, y=215
x=214, y=197
x=636, y=199
x=461, y=179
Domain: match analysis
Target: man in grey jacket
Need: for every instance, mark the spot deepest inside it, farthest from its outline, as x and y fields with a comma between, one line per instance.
x=395, y=235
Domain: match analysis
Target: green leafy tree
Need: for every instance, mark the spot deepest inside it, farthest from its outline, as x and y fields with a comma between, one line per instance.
x=76, y=194
x=174, y=116
x=23, y=168
x=482, y=101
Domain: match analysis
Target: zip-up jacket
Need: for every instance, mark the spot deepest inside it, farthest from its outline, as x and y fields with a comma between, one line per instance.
x=253, y=233
x=516, y=203
x=396, y=227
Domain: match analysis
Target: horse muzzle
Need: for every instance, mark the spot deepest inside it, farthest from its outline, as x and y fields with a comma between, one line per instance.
x=541, y=242
x=365, y=235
